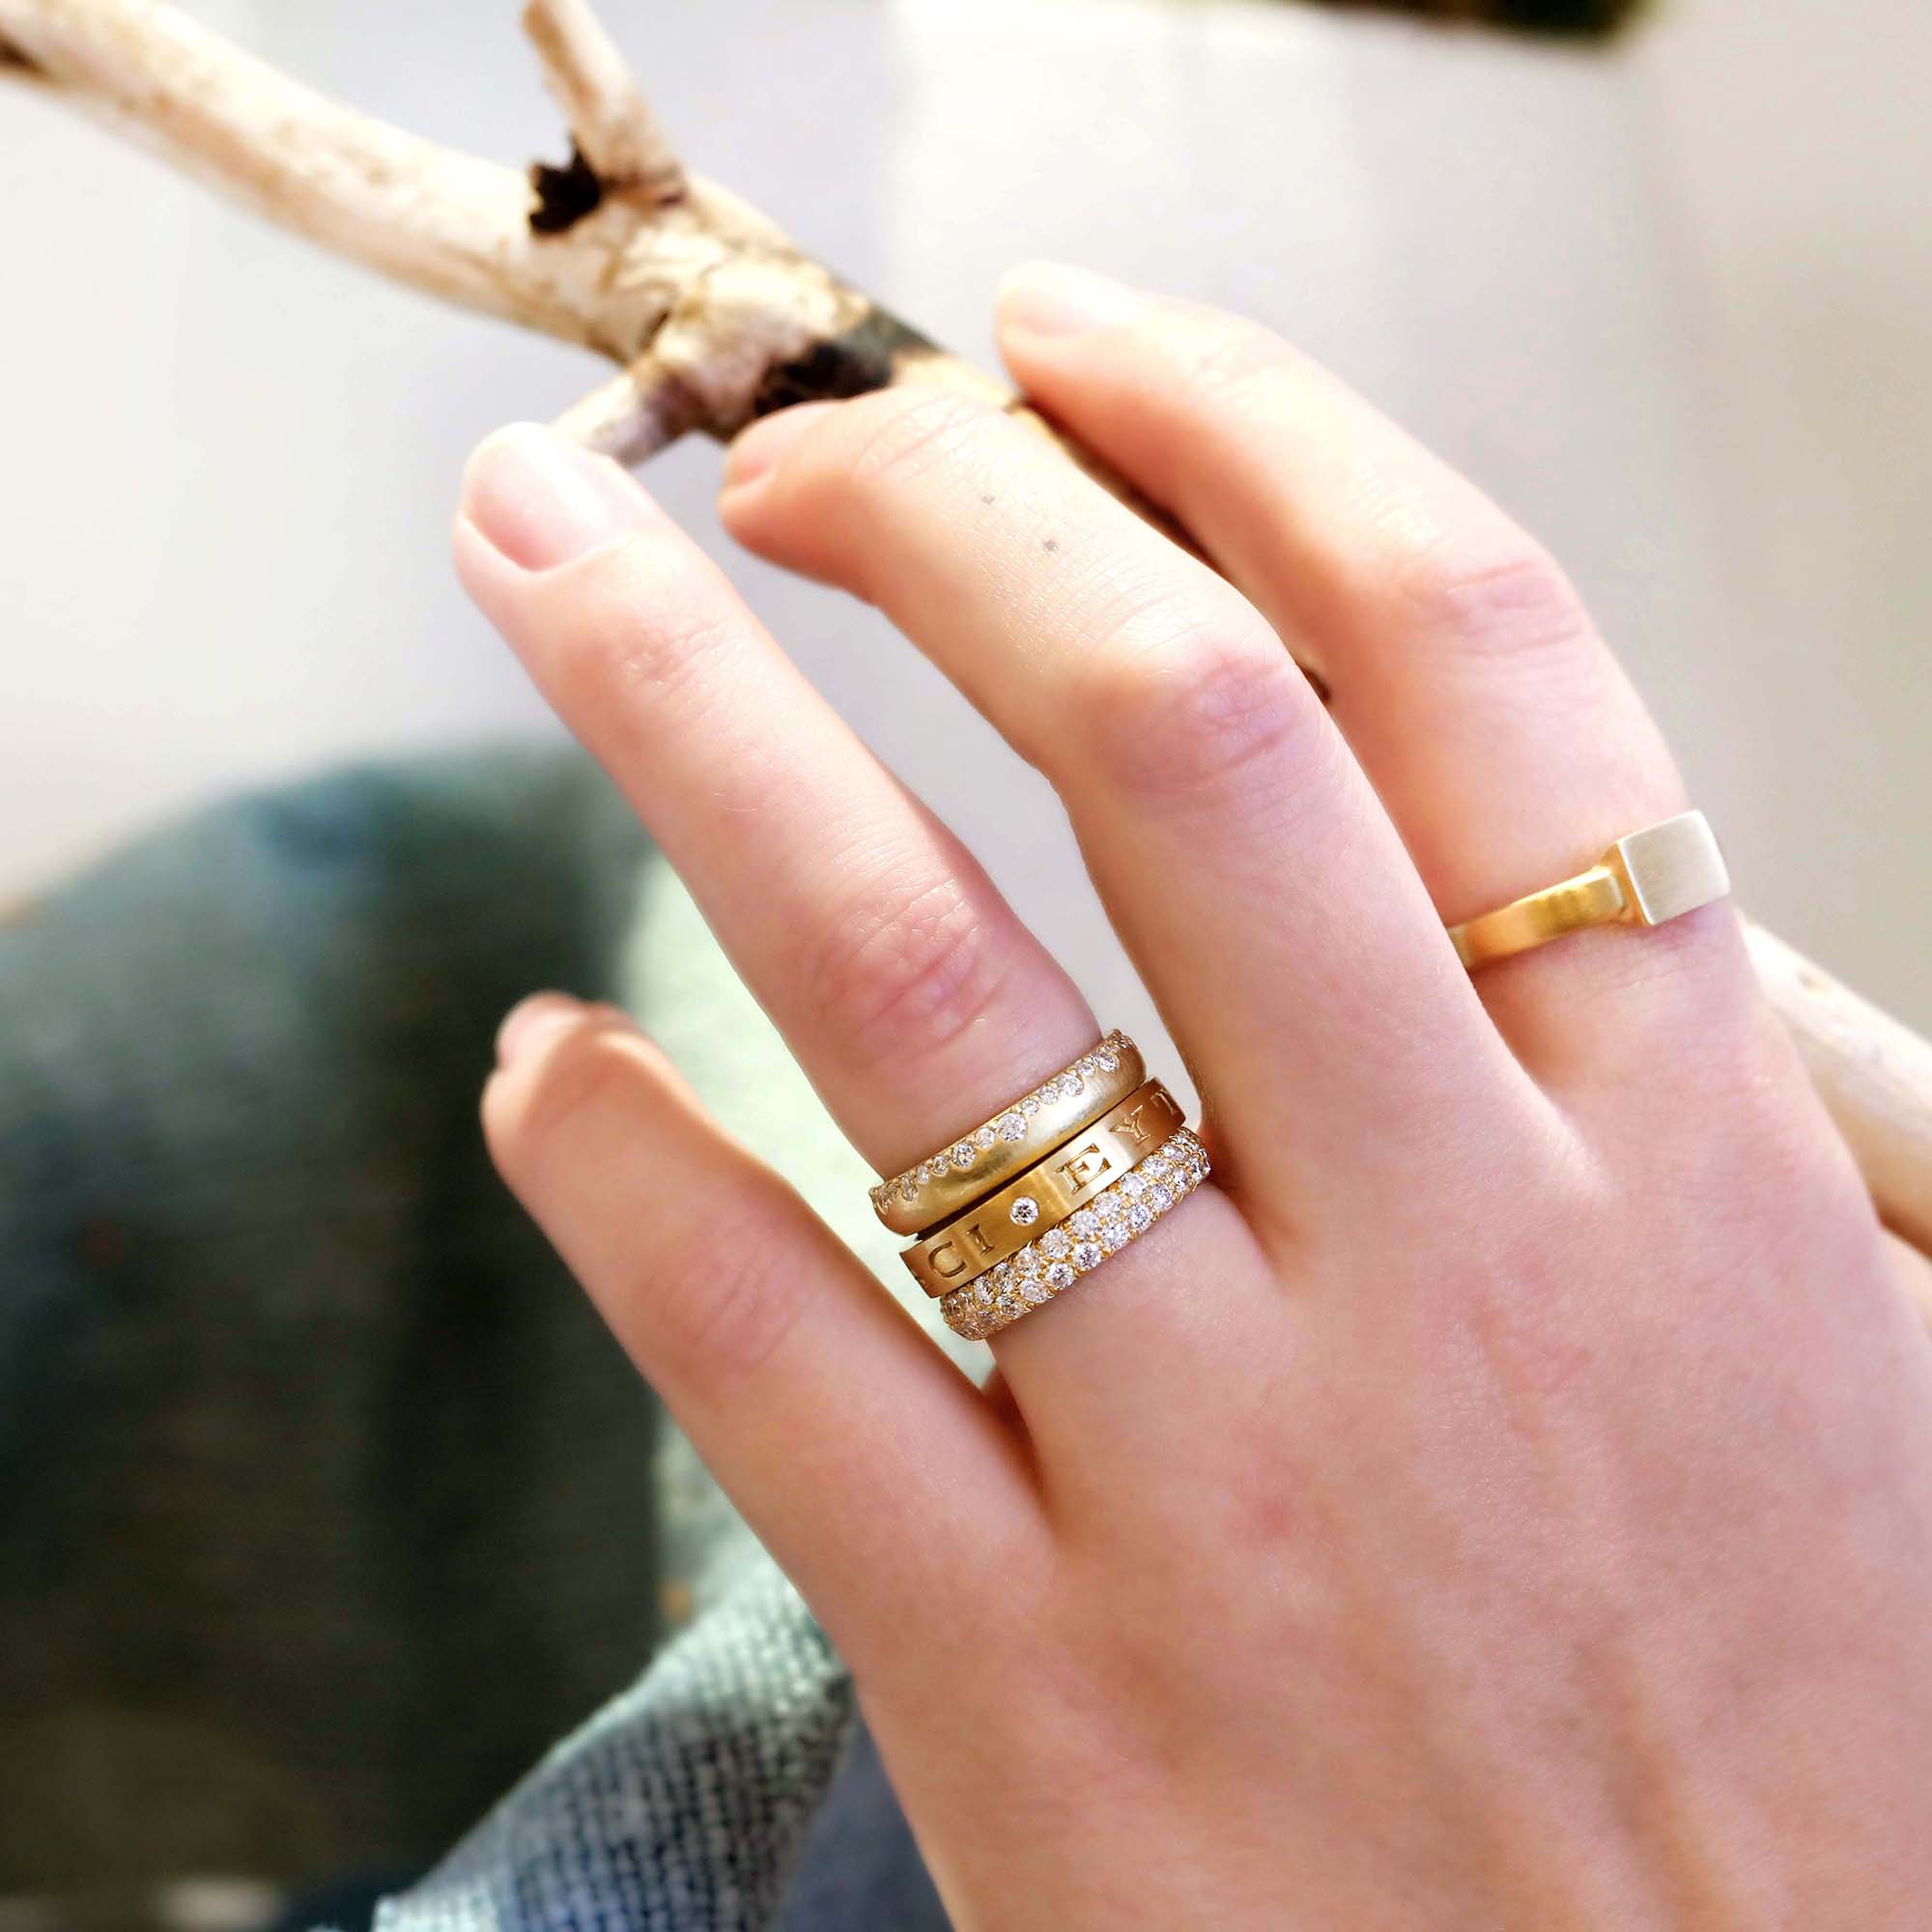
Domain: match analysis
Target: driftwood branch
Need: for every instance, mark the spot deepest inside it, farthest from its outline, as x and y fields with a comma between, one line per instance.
x=713, y=317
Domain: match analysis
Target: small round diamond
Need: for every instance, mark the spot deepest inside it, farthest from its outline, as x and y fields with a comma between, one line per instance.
x=1025, y=1210
x=1132, y=1186
x=1088, y=1255
x=1106, y=1061
x=1154, y=1167
x=1139, y=1218
x=1060, y=1275
x=984, y=1138
x=961, y=1155
x=1035, y=1292
x=1030, y=1106
x=1085, y=1068
x=1056, y=1243
x=1012, y=1126
x=1160, y=1199
x=1084, y=1223
x=1115, y=1235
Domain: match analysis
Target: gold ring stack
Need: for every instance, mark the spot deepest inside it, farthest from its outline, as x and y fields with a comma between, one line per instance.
x=1046, y=1192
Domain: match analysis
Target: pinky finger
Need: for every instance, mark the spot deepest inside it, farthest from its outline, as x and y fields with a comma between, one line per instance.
x=871, y=1468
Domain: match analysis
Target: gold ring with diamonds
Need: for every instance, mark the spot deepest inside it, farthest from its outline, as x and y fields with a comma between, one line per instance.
x=991, y=1230
x=1110, y=1220
x=1028, y=1128
x=1657, y=874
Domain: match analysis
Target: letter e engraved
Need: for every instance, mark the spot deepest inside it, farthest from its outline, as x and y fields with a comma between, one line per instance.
x=938, y=1265
x=1086, y=1168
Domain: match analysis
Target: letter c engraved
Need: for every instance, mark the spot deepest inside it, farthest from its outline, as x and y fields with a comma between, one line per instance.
x=939, y=1269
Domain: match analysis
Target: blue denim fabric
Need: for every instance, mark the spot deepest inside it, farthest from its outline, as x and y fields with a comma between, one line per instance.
x=326, y=1501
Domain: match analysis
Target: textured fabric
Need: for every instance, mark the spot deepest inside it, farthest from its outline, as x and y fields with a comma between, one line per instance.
x=328, y=1504
x=680, y=1806
x=325, y=1499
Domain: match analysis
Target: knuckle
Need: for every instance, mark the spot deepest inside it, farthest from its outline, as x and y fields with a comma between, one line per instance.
x=656, y=630
x=1498, y=594
x=904, y=969
x=897, y=436
x=1219, y=356
x=1193, y=707
x=715, y=1311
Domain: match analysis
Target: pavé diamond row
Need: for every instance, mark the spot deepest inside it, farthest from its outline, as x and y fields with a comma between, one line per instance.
x=1056, y=1260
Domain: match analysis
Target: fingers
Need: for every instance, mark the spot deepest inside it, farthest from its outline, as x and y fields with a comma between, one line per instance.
x=1254, y=879
x=908, y=990
x=1491, y=718
x=911, y=994
x=868, y=1465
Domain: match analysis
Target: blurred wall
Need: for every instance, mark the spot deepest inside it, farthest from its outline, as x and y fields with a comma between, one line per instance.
x=1669, y=303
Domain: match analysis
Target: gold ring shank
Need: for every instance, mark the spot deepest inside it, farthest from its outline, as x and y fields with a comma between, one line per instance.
x=1003, y=1223
x=967, y=1170
x=1647, y=878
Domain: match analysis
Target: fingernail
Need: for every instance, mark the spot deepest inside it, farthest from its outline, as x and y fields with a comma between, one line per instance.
x=542, y=500
x=1057, y=299
x=757, y=450
x=531, y=1021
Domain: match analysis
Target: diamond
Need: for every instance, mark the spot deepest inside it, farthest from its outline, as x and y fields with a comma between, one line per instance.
x=1160, y=1199
x=1106, y=1061
x=1154, y=1167
x=928, y=1168
x=1034, y=1292
x=1060, y=1275
x=909, y=1187
x=1139, y=1219
x=1026, y=1262
x=1088, y=1255
x=1012, y=1126
x=1030, y=1106
x=1085, y=1068
x=1070, y=1083
x=1132, y=1186
x=1025, y=1210
x=1082, y=1222
x=984, y=1138
x=962, y=1153
x=1054, y=1244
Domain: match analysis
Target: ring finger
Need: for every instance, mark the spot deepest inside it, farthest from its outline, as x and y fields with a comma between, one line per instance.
x=910, y=992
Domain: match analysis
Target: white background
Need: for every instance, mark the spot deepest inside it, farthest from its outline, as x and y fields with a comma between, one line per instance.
x=1672, y=305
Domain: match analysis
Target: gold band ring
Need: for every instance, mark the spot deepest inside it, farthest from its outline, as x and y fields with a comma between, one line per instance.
x=1657, y=874
x=1018, y=1136
x=1046, y=1194
x=1110, y=1220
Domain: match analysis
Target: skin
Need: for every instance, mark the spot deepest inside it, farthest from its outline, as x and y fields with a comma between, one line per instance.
x=1503, y=1496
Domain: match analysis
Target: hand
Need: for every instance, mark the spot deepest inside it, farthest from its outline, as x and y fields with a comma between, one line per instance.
x=1503, y=1496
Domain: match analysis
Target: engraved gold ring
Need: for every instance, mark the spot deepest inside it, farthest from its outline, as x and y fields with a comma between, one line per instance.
x=1651, y=876
x=1007, y=1220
